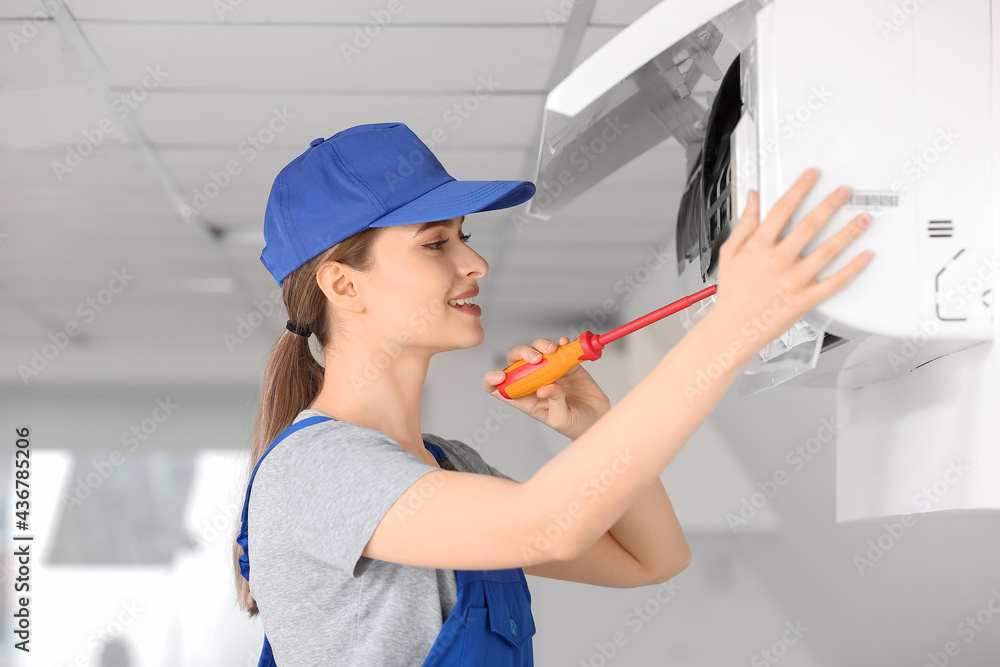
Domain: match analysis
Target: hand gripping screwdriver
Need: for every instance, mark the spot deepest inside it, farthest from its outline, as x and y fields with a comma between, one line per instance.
x=523, y=378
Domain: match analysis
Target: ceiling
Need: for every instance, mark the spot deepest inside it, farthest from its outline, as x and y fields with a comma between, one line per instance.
x=112, y=111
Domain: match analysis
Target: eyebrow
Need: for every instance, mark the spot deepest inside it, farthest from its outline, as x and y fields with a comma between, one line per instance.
x=436, y=223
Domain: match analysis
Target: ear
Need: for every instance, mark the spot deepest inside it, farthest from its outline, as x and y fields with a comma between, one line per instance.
x=339, y=283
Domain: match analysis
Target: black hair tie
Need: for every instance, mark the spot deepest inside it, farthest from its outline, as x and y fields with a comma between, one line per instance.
x=295, y=330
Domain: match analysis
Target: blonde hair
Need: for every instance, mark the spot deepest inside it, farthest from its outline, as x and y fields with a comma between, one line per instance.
x=292, y=377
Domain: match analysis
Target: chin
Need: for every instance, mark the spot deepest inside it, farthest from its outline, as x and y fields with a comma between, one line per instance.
x=474, y=339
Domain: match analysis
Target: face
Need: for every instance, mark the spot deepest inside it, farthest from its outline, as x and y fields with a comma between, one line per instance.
x=418, y=269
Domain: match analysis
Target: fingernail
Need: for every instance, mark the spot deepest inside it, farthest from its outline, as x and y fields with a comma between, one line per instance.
x=844, y=193
x=863, y=221
x=497, y=375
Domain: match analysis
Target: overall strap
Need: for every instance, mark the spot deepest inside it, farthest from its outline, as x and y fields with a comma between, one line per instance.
x=435, y=450
x=242, y=539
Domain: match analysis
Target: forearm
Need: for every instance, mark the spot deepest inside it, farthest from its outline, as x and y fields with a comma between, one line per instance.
x=649, y=530
x=609, y=467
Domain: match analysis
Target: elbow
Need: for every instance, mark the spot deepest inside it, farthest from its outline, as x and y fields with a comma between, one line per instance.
x=553, y=551
x=566, y=548
x=675, y=567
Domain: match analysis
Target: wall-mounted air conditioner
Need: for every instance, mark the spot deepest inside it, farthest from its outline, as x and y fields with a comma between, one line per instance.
x=901, y=102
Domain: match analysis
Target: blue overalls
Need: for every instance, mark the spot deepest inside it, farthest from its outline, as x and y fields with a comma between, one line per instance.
x=491, y=624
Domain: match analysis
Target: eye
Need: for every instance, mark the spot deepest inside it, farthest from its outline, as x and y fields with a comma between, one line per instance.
x=437, y=245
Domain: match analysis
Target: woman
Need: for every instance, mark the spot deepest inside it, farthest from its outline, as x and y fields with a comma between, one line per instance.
x=376, y=544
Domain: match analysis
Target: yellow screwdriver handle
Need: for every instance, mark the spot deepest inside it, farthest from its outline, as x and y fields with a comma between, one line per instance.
x=523, y=378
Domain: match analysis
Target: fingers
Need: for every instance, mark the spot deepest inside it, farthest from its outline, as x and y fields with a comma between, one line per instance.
x=782, y=211
x=829, y=286
x=817, y=260
x=803, y=232
x=533, y=353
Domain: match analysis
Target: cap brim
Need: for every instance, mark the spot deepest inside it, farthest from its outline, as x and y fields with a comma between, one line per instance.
x=457, y=198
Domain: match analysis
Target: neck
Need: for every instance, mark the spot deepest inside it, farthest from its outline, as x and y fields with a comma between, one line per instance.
x=361, y=387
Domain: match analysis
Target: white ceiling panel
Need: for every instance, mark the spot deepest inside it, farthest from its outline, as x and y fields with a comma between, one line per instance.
x=63, y=115
x=308, y=58
x=158, y=266
x=30, y=11
x=36, y=55
x=142, y=204
x=111, y=240
x=110, y=166
x=362, y=12
x=224, y=119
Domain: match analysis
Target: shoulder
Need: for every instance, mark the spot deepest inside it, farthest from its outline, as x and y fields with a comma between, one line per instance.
x=340, y=444
x=349, y=467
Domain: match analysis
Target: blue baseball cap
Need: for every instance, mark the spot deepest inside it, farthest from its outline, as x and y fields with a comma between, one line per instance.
x=374, y=175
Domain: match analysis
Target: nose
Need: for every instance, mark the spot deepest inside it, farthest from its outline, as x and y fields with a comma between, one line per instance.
x=476, y=264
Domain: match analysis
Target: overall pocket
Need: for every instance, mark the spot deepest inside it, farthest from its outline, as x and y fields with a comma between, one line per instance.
x=510, y=611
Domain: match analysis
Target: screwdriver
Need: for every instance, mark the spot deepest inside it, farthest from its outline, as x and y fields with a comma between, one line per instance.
x=523, y=378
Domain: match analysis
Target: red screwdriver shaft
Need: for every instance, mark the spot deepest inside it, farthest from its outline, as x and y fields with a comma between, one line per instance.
x=657, y=314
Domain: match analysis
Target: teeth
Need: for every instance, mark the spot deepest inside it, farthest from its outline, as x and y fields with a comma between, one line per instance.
x=461, y=302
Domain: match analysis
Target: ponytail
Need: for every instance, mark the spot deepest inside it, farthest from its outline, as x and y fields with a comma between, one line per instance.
x=292, y=377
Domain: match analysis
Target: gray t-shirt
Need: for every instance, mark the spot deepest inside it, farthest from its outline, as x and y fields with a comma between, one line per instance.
x=315, y=502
